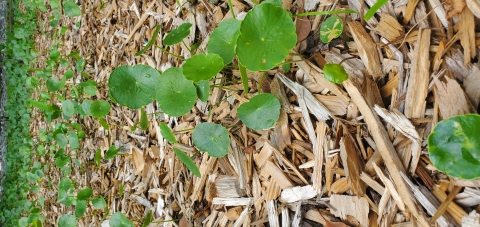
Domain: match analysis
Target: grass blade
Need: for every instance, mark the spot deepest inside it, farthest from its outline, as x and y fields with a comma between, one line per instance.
x=374, y=9
x=152, y=40
x=187, y=161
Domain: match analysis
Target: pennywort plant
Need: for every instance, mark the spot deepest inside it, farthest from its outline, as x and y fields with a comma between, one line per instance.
x=260, y=42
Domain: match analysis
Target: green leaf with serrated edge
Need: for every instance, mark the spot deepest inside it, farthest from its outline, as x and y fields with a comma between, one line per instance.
x=100, y=108
x=84, y=194
x=261, y=112
x=71, y=8
x=148, y=219
x=267, y=35
x=224, y=39
x=119, y=220
x=112, y=151
x=177, y=35
x=203, y=90
x=104, y=123
x=175, y=94
x=80, y=208
x=211, y=138
x=167, y=133
x=202, y=67
x=151, y=42
x=68, y=109
x=374, y=9
x=187, y=161
x=454, y=146
x=143, y=119
x=335, y=73
x=331, y=29
x=99, y=203
x=67, y=220
x=133, y=87
x=332, y=12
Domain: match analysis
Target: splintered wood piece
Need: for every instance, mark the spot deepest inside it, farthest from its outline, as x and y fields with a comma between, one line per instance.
x=289, y=164
x=350, y=205
x=352, y=162
x=207, y=165
x=295, y=194
x=237, y=159
x=272, y=213
x=391, y=188
x=474, y=6
x=231, y=202
x=264, y=155
x=340, y=186
x=403, y=125
x=333, y=103
x=417, y=89
x=277, y=174
x=466, y=28
x=228, y=187
x=453, y=209
x=243, y=218
x=424, y=197
x=317, y=176
x=452, y=100
x=372, y=183
x=446, y=203
x=389, y=28
x=367, y=49
x=409, y=11
x=233, y=213
x=472, y=219
x=385, y=148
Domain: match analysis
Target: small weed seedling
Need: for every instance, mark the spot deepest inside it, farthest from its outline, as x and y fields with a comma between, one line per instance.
x=261, y=42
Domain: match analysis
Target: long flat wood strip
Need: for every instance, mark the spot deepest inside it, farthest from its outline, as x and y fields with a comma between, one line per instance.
x=386, y=149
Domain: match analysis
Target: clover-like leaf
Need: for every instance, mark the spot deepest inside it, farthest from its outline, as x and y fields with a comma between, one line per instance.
x=67, y=220
x=224, y=39
x=212, y=138
x=267, y=35
x=187, y=161
x=167, y=133
x=331, y=29
x=99, y=109
x=119, y=220
x=261, y=112
x=203, y=90
x=202, y=67
x=335, y=73
x=133, y=87
x=177, y=35
x=454, y=146
x=175, y=93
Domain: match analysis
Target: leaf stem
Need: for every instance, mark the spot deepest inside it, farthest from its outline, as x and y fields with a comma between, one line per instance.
x=326, y=12
x=261, y=82
x=230, y=7
x=184, y=130
x=170, y=53
x=188, y=48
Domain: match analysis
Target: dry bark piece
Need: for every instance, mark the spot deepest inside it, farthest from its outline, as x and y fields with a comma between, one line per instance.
x=350, y=205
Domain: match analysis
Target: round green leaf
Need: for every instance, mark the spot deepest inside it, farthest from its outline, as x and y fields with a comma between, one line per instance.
x=202, y=67
x=267, y=35
x=261, y=112
x=119, y=220
x=224, y=39
x=203, y=90
x=212, y=138
x=331, y=29
x=187, y=161
x=454, y=146
x=177, y=35
x=54, y=84
x=100, y=108
x=133, y=87
x=99, y=203
x=335, y=73
x=86, y=105
x=167, y=133
x=84, y=194
x=68, y=109
x=175, y=93
x=88, y=88
x=80, y=208
x=67, y=220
